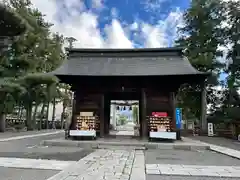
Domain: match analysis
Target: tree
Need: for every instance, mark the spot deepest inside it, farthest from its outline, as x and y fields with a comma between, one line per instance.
x=70, y=41
x=11, y=24
x=35, y=52
x=232, y=37
x=10, y=91
x=135, y=114
x=200, y=40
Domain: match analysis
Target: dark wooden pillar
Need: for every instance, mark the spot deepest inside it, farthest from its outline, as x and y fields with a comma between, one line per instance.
x=75, y=108
x=203, y=119
x=102, y=124
x=73, y=119
x=173, y=110
x=143, y=114
x=69, y=125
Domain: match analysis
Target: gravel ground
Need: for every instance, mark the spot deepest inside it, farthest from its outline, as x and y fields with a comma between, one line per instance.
x=25, y=174
x=157, y=177
x=205, y=157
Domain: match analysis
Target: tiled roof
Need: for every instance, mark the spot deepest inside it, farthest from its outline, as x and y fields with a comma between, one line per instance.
x=145, y=62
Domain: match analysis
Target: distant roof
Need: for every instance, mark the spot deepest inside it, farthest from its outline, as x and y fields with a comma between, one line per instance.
x=126, y=62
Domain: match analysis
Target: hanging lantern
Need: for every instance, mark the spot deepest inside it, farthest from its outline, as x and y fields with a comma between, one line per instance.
x=118, y=108
x=124, y=108
x=130, y=108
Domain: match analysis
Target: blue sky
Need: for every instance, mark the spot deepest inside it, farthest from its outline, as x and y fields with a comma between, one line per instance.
x=116, y=23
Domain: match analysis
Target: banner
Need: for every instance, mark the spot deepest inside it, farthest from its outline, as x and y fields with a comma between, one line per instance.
x=178, y=118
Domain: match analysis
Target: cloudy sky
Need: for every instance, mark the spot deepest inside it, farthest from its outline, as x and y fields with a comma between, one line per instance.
x=116, y=24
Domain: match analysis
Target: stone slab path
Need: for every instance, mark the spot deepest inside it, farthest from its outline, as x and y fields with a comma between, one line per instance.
x=106, y=165
x=34, y=163
x=193, y=170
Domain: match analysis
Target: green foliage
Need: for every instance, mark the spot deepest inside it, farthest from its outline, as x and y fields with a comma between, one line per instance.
x=200, y=40
x=135, y=114
x=122, y=120
x=231, y=102
x=34, y=79
x=10, y=91
x=203, y=33
x=28, y=60
x=11, y=23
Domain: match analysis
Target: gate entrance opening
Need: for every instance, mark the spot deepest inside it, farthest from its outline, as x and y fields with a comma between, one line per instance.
x=124, y=118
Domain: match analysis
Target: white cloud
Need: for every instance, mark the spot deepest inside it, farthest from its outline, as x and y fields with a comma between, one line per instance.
x=78, y=22
x=152, y=5
x=154, y=36
x=134, y=26
x=158, y=35
x=114, y=12
x=116, y=36
x=97, y=4
x=85, y=29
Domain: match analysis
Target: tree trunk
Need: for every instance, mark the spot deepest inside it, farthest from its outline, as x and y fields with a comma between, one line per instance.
x=34, y=116
x=64, y=109
x=48, y=106
x=62, y=117
x=19, y=111
x=41, y=117
x=29, y=117
x=53, y=113
x=2, y=122
x=21, y=114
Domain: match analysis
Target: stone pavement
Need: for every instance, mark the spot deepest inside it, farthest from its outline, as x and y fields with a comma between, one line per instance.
x=29, y=134
x=193, y=170
x=107, y=165
x=34, y=163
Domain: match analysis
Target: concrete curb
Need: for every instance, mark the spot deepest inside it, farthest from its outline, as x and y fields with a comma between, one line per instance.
x=136, y=146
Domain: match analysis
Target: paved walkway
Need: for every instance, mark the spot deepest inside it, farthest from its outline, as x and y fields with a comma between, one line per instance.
x=34, y=163
x=29, y=134
x=220, y=149
x=219, y=141
x=106, y=165
x=193, y=170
